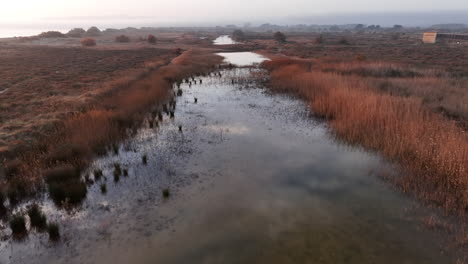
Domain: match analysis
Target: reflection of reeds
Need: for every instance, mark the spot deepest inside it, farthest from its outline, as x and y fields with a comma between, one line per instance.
x=431, y=148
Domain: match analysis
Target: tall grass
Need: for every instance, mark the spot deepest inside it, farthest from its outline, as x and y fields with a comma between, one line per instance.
x=432, y=150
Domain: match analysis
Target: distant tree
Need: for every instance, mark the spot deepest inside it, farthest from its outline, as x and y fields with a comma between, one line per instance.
x=398, y=27
x=88, y=42
x=122, y=39
x=52, y=34
x=359, y=27
x=279, y=37
x=238, y=35
x=76, y=33
x=151, y=39
x=93, y=32
x=334, y=28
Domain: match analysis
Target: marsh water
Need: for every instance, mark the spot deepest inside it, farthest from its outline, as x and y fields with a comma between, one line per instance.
x=224, y=40
x=253, y=178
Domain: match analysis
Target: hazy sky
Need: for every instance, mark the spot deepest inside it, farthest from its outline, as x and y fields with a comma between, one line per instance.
x=208, y=10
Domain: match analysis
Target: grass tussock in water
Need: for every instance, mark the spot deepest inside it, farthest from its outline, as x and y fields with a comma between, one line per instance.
x=432, y=149
x=37, y=218
x=54, y=231
x=166, y=193
x=18, y=225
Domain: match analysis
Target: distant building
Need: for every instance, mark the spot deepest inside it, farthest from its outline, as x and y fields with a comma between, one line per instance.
x=430, y=37
x=434, y=37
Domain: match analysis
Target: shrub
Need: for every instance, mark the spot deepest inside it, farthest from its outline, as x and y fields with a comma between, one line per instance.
x=279, y=37
x=93, y=32
x=54, y=231
x=88, y=42
x=238, y=35
x=151, y=39
x=62, y=173
x=71, y=191
x=52, y=34
x=76, y=33
x=122, y=39
x=18, y=225
x=18, y=188
x=343, y=41
x=38, y=219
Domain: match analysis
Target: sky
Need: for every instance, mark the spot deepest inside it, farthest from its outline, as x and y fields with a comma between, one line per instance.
x=199, y=11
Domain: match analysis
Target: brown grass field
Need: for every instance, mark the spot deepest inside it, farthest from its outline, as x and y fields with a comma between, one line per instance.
x=61, y=106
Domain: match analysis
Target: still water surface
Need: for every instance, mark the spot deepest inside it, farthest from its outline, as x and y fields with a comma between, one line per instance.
x=253, y=179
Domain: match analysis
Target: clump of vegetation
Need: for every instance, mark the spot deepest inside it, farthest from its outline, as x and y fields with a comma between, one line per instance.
x=65, y=184
x=343, y=41
x=93, y=32
x=18, y=188
x=151, y=39
x=238, y=35
x=103, y=188
x=115, y=149
x=117, y=172
x=76, y=33
x=279, y=37
x=88, y=42
x=62, y=173
x=52, y=34
x=2, y=204
x=98, y=174
x=38, y=219
x=144, y=159
x=122, y=39
x=166, y=193
x=18, y=225
x=54, y=231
